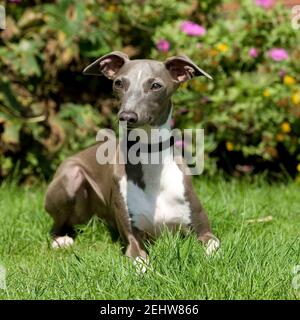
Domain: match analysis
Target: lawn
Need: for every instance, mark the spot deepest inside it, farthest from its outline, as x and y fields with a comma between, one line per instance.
x=255, y=260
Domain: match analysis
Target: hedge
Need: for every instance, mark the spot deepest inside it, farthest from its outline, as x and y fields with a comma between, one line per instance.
x=250, y=111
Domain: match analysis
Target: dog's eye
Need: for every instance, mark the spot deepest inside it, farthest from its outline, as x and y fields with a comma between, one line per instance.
x=156, y=86
x=118, y=83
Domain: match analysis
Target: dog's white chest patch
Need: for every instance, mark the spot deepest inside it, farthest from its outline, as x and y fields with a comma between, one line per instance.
x=161, y=203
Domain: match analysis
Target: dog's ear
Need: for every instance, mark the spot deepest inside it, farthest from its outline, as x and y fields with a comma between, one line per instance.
x=182, y=68
x=108, y=65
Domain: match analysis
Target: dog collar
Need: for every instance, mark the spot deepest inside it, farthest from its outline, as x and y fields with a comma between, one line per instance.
x=152, y=147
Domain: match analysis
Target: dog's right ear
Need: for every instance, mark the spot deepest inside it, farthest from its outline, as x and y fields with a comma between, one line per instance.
x=182, y=68
x=108, y=65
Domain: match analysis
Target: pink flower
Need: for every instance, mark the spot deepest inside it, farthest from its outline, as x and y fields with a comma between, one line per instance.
x=253, y=52
x=14, y=1
x=172, y=123
x=163, y=45
x=183, y=111
x=244, y=168
x=205, y=99
x=192, y=29
x=180, y=144
x=282, y=73
x=278, y=54
x=264, y=3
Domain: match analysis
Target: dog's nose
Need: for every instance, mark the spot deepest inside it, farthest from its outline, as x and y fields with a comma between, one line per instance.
x=128, y=116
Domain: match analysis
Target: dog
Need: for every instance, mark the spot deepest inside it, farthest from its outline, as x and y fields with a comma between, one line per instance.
x=138, y=200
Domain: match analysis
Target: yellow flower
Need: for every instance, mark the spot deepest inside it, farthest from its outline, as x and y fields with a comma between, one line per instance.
x=67, y=55
x=286, y=127
x=266, y=93
x=199, y=86
x=112, y=8
x=280, y=137
x=289, y=81
x=213, y=52
x=298, y=167
x=184, y=85
x=223, y=47
x=61, y=37
x=229, y=146
x=296, y=98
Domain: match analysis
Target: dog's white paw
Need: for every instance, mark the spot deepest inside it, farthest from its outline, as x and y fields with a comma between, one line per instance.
x=212, y=246
x=141, y=264
x=62, y=242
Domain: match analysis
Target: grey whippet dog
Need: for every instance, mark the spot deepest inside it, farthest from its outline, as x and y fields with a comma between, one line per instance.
x=136, y=200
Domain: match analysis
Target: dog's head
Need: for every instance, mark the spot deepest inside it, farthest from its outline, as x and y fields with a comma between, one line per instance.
x=144, y=87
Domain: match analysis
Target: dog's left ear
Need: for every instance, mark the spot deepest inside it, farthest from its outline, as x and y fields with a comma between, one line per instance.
x=108, y=65
x=182, y=68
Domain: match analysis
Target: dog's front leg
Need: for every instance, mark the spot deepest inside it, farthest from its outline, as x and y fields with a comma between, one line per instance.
x=135, y=247
x=135, y=250
x=204, y=233
x=200, y=222
x=134, y=244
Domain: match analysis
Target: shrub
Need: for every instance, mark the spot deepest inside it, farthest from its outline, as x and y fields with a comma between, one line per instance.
x=250, y=111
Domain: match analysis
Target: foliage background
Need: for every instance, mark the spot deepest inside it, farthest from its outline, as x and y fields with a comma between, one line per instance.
x=49, y=110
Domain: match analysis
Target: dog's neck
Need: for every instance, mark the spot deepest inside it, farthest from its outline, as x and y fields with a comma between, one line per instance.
x=155, y=143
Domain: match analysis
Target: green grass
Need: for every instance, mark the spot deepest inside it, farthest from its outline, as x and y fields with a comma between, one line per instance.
x=255, y=260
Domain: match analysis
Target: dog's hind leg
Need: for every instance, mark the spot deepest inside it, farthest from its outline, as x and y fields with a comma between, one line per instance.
x=67, y=202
